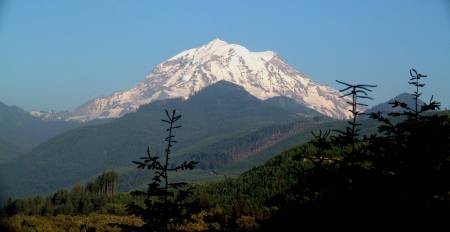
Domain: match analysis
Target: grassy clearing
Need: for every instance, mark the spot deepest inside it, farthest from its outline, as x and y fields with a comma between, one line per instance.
x=93, y=222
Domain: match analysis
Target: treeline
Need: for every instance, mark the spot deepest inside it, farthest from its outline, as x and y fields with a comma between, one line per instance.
x=96, y=196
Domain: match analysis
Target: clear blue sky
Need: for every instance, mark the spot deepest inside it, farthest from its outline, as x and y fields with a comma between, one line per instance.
x=59, y=54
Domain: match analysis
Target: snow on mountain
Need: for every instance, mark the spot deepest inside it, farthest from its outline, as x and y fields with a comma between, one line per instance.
x=262, y=74
x=51, y=115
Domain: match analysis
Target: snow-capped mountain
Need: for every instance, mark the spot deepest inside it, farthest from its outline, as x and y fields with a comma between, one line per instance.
x=262, y=74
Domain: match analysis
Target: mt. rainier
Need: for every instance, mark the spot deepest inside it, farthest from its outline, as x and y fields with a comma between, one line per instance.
x=262, y=74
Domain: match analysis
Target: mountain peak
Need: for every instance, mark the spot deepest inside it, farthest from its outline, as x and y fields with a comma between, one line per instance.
x=263, y=74
x=216, y=43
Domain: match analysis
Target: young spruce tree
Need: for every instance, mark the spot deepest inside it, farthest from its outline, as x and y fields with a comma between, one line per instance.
x=351, y=134
x=165, y=202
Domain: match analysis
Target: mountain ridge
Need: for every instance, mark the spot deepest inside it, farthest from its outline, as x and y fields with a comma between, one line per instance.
x=386, y=107
x=23, y=130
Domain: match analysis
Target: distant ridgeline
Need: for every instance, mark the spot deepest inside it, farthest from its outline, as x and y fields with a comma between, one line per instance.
x=20, y=130
x=386, y=107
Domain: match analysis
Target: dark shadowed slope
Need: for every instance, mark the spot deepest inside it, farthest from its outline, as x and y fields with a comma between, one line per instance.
x=9, y=151
x=291, y=105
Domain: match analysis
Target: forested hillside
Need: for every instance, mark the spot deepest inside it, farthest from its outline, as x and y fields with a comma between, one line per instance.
x=259, y=199
x=221, y=116
x=9, y=151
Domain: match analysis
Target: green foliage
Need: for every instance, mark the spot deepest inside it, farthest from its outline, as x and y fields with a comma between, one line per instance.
x=106, y=183
x=97, y=196
x=229, y=200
